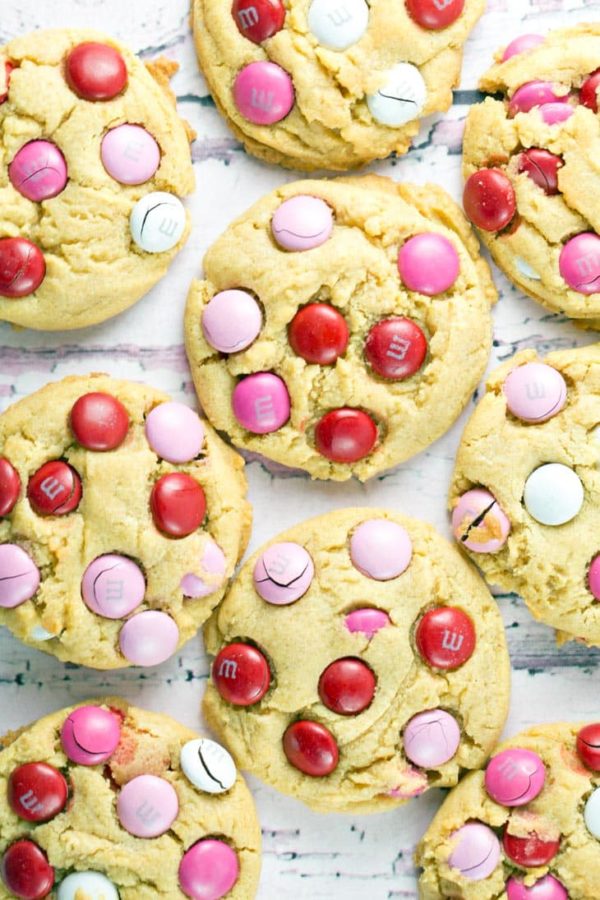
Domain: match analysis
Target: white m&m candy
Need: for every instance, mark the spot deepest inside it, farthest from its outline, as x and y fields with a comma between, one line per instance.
x=401, y=98
x=337, y=24
x=591, y=814
x=553, y=494
x=91, y=885
x=157, y=222
x=208, y=766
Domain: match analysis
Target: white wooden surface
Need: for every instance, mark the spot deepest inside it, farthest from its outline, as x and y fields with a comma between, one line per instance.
x=305, y=855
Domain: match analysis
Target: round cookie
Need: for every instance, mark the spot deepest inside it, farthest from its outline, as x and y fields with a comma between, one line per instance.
x=352, y=663
x=159, y=811
x=93, y=161
x=123, y=516
x=314, y=84
x=530, y=164
x=342, y=325
x=525, y=828
x=524, y=494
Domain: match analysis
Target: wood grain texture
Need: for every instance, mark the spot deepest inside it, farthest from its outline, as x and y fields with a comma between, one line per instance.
x=305, y=855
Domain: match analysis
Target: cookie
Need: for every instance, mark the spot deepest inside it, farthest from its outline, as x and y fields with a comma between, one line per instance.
x=352, y=663
x=105, y=801
x=526, y=828
x=342, y=325
x=93, y=161
x=524, y=493
x=530, y=164
x=123, y=516
x=333, y=84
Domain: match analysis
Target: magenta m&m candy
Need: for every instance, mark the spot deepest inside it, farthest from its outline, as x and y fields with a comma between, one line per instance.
x=37, y=792
x=208, y=870
x=396, y=348
x=546, y=888
x=95, y=71
x=319, y=334
x=593, y=578
x=475, y=851
x=99, y=421
x=588, y=746
x=130, y=154
x=55, y=489
x=258, y=20
x=38, y=171
x=147, y=806
x=529, y=851
x=532, y=94
x=26, y=871
x=178, y=504
x=435, y=14
x=175, y=432
x=22, y=267
x=522, y=44
x=10, y=487
x=428, y=263
x=479, y=523
x=580, y=263
x=212, y=565
x=445, y=637
x=311, y=748
x=345, y=435
x=489, y=199
x=431, y=738
x=241, y=674
x=535, y=392
x=367, y=621
x=283, y=573
x=515, y=777
x=261, y=402
x=263, y=93
x=231, y=321
x=302, y=223
x=380, y=549
x=542, y=167
x=19, y=576
x=588, y=95
x=149, y=638
x=347, y=686
x=113, y=586
x=90, y=735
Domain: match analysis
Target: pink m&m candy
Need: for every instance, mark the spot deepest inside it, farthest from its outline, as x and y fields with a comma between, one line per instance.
x=231, y=321
x=130, y=154
x=532, y=94
x=522, y=44
x=302, y=223
x=19, y=576
x=261, y=402
x=149, y=638
x=367, y=621
x=90, y=735
x=431, y=738
x=380, y=549
x=38, y=171
x=175, y=432
x=476, y=851
x=515, y=777
x=580, y=263
x=208, y=870
x=147, y=806
x=428, y=263
x=283, y=573
x=546, y=888
x=535, y=392
x=263, y=93
x=594, y=577
x=113, y=586
x=555, y=113
x=479, y=523
x=212, y=565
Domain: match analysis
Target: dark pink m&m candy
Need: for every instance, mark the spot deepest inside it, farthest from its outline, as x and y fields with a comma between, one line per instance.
x=311, y=748
x=90, y=735
x=588, y=746
x=396, y=348
x=367, y=621
x=263, y=93
x=55, y=489
x=178, y=504
x=26, y=871
x=345, y=435
x=258, y=20
x=10, y=486
x=588, y=94
x=428, y=263
x=261, y=403
x=514, y=777
x=95, y=71
x=532, y=94
x=208, y=870
x=489, y=199
x=435, y=14
x=445, y=637
x=579, y=263
x=593, y=577
x=99, y=421
x=241, y=674
x=347, y=686
x=38, y=171
x=319, y=334
x=37, y=792
x=522, y=44
x=542, y=167
x=529, y=851
x=22, y=267
x=546, y=888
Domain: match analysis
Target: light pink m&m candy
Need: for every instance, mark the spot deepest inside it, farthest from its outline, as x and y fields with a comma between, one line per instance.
x=147, y=806
x=212, y=565
x=555, y=113
x=130, y=154
x=231, y=321
x=476, y=851
x=535, y=392
x=428, y=263
x=522, y=44
x=19, y=576
x=90, y=735
x=263, y=93
x=175, y=432
x=515, y=777
x=580, y=263
x=302, y=223
x=208, y=870
x=431, y=738
x=380, y=549
x=113, y=586
x=283, y=573
x=149, y=638
x=38, y=171
x=261, y=403
x=532, y=94
x=479, y=523
x=546, y=888
x=367, y=621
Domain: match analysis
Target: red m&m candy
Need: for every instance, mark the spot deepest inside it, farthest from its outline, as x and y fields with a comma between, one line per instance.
x=258, y=20
x=178, y=504
x=542, y=167
x=241, y=674
x=435, y=14
x=588, y=746
x=95, y=71
x=347, y=686
x=588, y=94
x=396, y=348
x=529, y=851
x=10, y=485
x=319, y=334
x=22, y=267
x=99, y=421
x=8, y=67
x=26, y=871
x=445, y=637
x=489, y=199
x=55, y=489
x=311, y=748
x=37, y=792
x=345, y=435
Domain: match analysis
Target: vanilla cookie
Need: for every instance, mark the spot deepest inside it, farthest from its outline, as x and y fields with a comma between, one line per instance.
x=122, y=517
x=342, y=325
